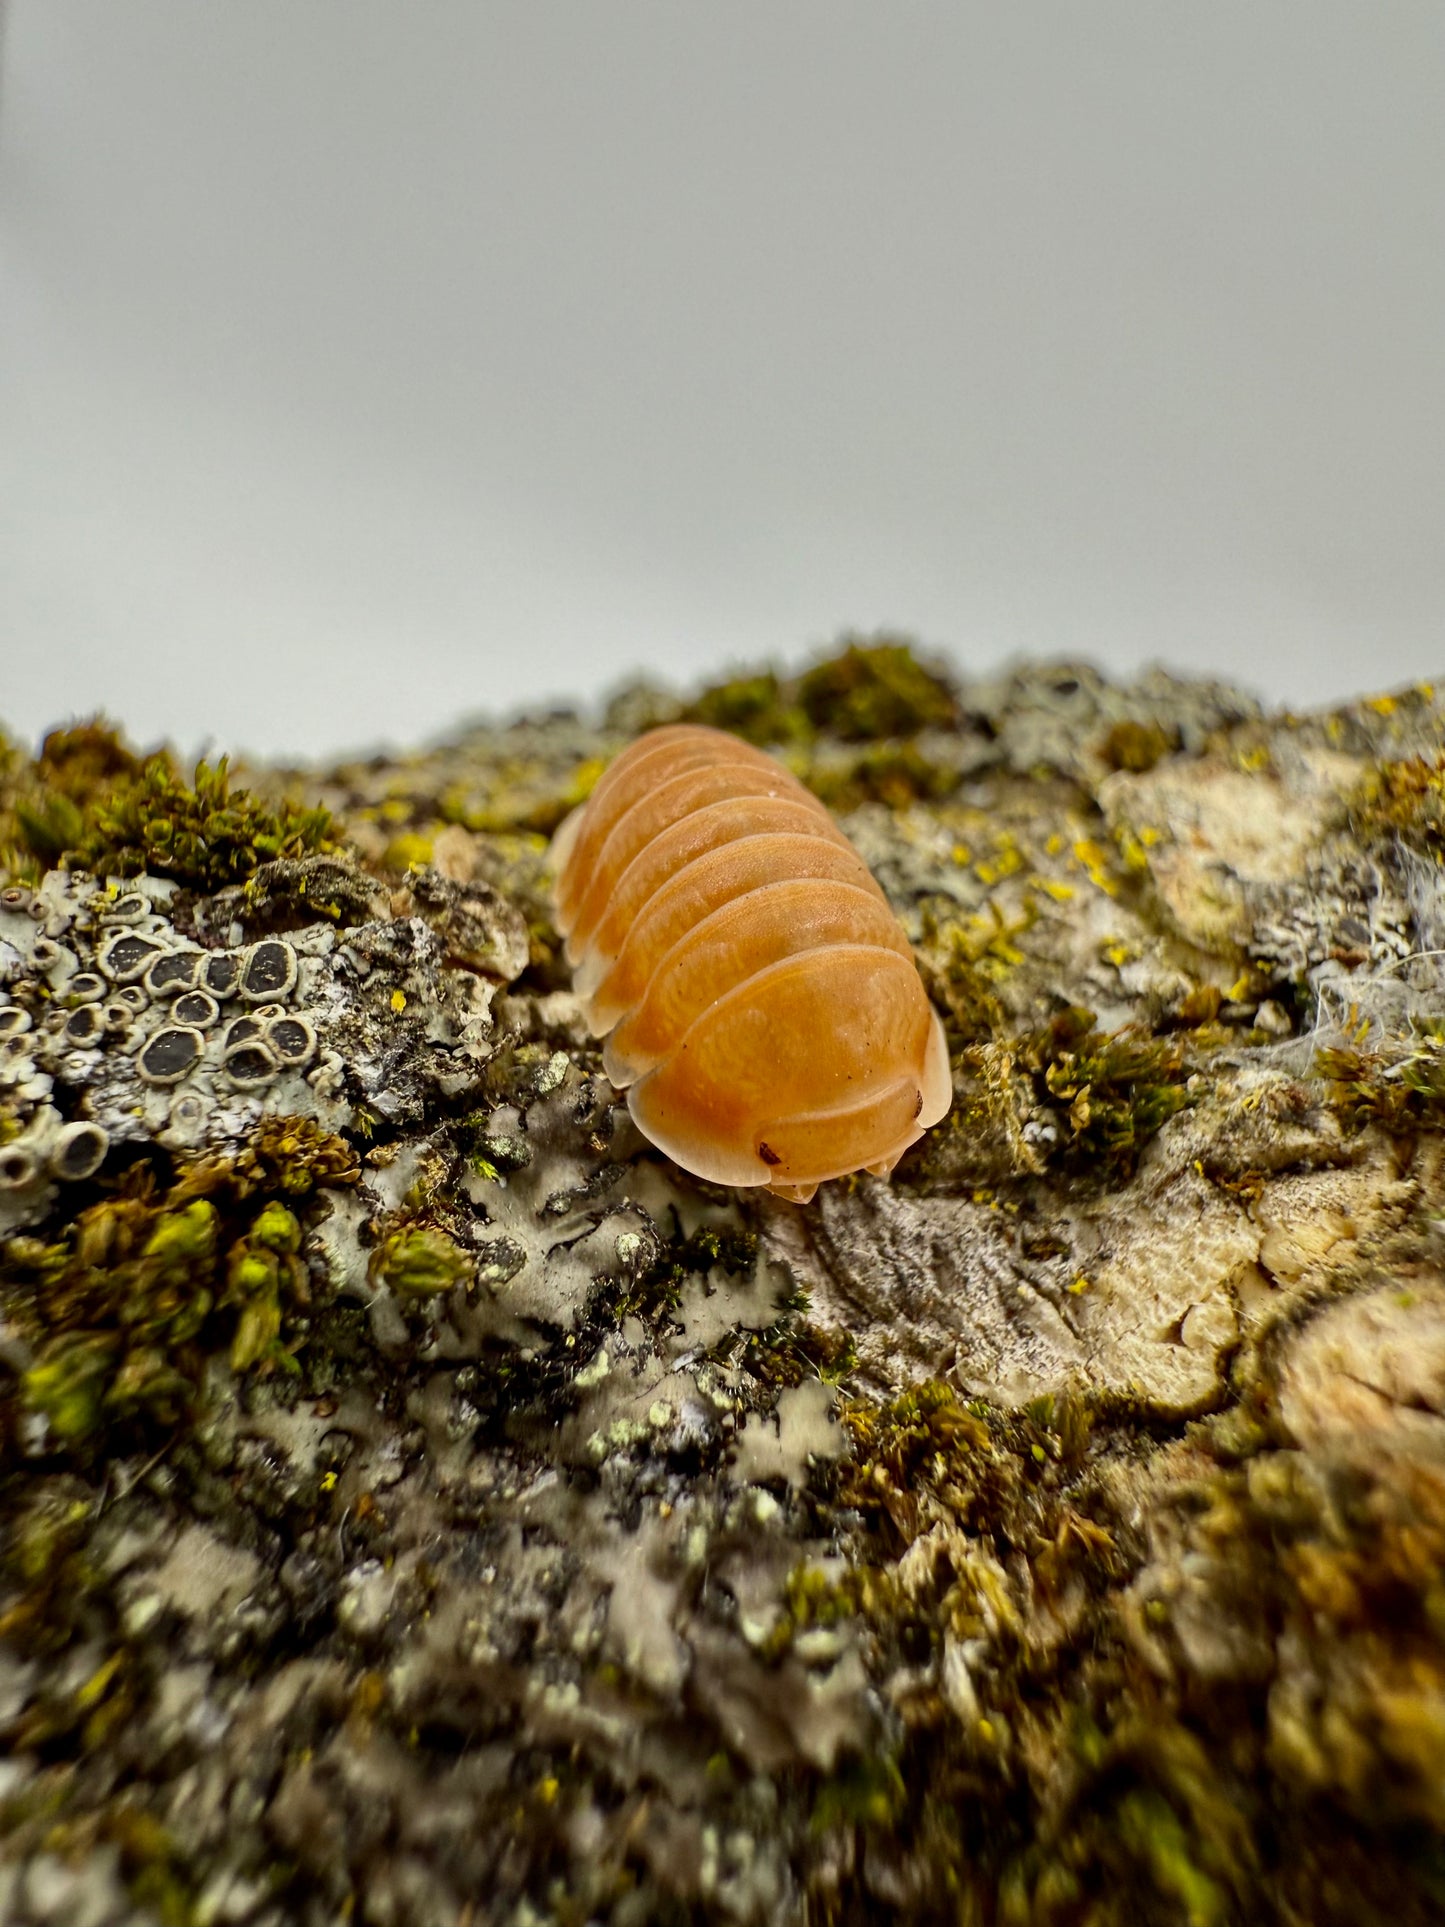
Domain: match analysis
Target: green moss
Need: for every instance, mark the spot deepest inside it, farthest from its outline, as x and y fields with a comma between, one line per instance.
x=294, y=1156
x=419, y=1261
x=1404, y=800
x=949, y=962
x=865, y=1792
x=204, y=835
x=868, y=692
x=1109, y=1092
x=892, y=773
x=44, y=802
x=1402, y=1089
x=761, y=708
x=69, y=1381
x=1095, y=1784
x=125, y=1307
x=875, y=689
x=88, y=800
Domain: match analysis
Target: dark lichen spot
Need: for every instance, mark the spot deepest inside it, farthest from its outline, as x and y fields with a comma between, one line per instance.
x=84, y=1026
x=291, y=1039
x=196, y=1007
x=79, y=1151
x=268, y=971
x=126, y=959
x=499, y=1260
x=130, y=908
x=19, y=1166
x=249, y=1065
x=221, y=975
x=172, y=972
x=171, y=1054
x=241, y=1030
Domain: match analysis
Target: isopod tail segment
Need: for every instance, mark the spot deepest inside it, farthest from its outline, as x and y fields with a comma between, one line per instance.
x=759, y=998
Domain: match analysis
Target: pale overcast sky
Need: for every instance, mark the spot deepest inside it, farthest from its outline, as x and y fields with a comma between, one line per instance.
x=362, y=365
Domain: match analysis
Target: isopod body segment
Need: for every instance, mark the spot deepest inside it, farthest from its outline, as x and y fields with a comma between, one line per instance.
x=759, y=999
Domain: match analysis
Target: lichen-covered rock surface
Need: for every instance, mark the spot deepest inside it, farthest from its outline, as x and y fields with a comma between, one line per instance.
x=422, y=1503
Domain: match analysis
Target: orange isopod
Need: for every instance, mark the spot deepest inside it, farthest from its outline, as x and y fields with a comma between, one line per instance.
x=761, y=1004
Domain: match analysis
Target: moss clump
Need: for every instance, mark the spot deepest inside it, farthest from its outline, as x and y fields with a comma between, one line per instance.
x=263, y=1274
x=1402, y=1089
x=1108, y=1092
x=88, y=800
x=1139, y=1732
x=124, y=1309
x=45, y=803
x=867, y=693
x=1404, y=801
x=204, y=836
x=1137, y=746
x=420, y=1261
x=293, y=1156
x=53, y=1599
x=894, y=773
x=762, y=709
x=873, y=690
x=1064, y=1096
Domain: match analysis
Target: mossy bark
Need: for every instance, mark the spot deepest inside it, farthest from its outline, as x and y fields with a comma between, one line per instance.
x=423, y=1503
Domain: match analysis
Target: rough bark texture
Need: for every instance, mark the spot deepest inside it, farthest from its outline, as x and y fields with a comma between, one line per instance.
x=423, y=1503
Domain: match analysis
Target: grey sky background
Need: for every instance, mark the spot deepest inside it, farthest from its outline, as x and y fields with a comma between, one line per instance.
x=365, y=365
